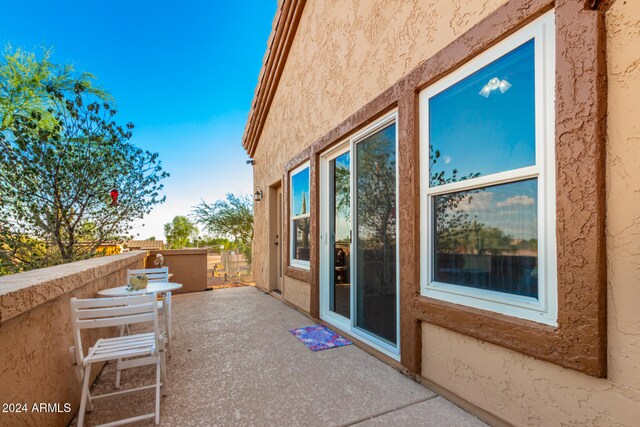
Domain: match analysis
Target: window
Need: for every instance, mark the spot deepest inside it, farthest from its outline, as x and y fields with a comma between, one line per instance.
x=487, y=179
x=300, y=227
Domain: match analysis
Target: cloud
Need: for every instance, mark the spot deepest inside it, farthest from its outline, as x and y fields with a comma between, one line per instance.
x=447, y=159
x=476, y=201
x=521, y=200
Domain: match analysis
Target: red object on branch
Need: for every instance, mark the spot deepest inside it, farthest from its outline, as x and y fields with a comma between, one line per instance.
x=114, y=197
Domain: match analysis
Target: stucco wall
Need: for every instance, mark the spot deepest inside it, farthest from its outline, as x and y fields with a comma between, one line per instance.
x=35, y=365
x=188, y=266
x=526, y=391
x=297, y=293
x=344, y=54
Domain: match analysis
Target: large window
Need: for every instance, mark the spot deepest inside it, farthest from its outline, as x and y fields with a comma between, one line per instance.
x=487, y=174
x=300, y=226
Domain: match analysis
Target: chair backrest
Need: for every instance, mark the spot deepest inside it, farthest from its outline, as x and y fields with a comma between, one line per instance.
x=104, y=312
x=154, y=274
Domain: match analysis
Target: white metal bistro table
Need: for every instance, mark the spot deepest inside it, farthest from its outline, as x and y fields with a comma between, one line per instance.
x=161, y=288
x=157, y=287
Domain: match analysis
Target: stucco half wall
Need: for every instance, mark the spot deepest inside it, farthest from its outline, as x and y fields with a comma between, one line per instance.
x=188, y=266
x=36, y=332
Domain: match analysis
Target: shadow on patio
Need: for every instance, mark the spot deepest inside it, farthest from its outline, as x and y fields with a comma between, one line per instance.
x=235, y=363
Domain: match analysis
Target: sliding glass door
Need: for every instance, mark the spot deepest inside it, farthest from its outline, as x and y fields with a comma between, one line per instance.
x=375, y=237
x=358, y=234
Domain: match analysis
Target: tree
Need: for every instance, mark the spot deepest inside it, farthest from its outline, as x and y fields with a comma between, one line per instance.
x=214, y=243
x=56, y=172
x=230, y=218
x=20, y=252
x=24, y=80
x=180, y=232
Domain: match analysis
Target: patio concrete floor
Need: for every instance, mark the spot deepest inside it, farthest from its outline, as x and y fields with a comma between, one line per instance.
x=235, y=363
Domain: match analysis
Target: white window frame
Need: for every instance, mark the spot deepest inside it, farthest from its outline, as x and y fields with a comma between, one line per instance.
x=543, y=309
x=334, y=319
x=293, y=262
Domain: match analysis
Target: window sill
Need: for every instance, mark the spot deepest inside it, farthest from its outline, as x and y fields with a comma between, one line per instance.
x=521, y=307
x=298, y=273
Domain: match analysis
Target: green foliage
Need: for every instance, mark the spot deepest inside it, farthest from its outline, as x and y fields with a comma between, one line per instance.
x=61, y=152
x=180, y=232
x=24, y=80
x=20, y=252
x=230, y=218
x=214, y=243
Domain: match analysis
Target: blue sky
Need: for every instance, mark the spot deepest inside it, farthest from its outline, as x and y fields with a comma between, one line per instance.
x=482, y=135
x=183, y=72
x=486, y=135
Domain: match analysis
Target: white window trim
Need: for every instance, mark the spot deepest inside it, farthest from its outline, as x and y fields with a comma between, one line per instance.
x=293, y=262
x=544, y=309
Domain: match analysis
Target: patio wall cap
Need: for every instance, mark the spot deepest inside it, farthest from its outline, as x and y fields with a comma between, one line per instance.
x=185, y=251
x=23, y=291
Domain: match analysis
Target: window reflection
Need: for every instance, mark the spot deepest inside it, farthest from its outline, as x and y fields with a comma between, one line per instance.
x=300, y=192
x=485, y=123
x=376, y=234
x=302, y=237
x=340, y=205
x=488, y=238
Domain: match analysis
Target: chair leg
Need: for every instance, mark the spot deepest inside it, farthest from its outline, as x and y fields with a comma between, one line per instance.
x=167, y=321
x=118, y=374
x=165, y=380
x=167, y=328
x=85, y=392
x=158, y=392
x=89, y=401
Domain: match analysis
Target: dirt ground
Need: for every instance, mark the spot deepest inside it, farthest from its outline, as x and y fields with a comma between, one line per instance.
x=219, y=283
x=218, y=278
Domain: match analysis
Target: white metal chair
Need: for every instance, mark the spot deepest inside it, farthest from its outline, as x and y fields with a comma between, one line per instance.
x=138, y=349
x=164, y=305
x=164, y=309
x=154, y=274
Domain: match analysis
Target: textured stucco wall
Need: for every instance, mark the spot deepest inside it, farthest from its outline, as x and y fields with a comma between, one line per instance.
x=35, y=365
x=188, y=266
x=344, y=54
x=526, y=391
x=297, y=293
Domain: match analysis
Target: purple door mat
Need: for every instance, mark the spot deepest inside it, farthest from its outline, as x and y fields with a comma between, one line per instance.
x=319, y=337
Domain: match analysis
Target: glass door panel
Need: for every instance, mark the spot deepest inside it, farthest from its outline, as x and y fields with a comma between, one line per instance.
x=340, y=235
x=375, y=234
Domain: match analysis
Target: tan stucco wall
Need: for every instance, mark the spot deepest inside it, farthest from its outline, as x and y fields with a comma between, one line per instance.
x=188, y=266
x=347, y=52
x=35, y=365
x=344, y=54
x=297, y=293
x=520, y=389
x=526, y=391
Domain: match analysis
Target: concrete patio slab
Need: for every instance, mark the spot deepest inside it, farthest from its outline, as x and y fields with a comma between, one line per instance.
x=235, y=363
x=430, y=413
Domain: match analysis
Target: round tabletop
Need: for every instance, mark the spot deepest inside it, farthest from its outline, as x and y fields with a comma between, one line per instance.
x=158, y=287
